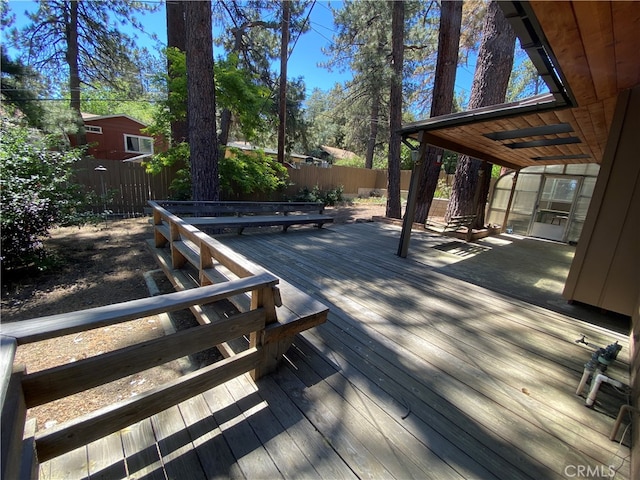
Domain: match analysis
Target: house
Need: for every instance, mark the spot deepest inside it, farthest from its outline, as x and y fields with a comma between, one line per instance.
x=118, y=137
x=113, y=168
x=587, y=53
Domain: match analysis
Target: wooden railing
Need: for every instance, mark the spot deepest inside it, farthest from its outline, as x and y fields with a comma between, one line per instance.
x=21, y=390
x=222, y=274
x=288, y=313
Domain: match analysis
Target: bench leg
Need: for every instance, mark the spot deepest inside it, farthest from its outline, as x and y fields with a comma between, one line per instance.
x=273, y=353
x=284, y=228
x=240, y=230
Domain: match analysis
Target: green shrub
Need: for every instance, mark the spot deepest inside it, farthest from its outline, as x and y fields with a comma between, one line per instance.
x=36, y=193
x=330, y=197
x=244, y=172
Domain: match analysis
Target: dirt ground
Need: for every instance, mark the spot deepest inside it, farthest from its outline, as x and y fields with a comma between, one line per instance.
x=101, y=265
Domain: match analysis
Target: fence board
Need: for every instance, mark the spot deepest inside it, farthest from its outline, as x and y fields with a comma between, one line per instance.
x=131, y=185
x=349, y=177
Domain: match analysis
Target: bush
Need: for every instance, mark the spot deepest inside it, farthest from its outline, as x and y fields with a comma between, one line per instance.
x=35, y=194
x=244, y=172
x=330, y=197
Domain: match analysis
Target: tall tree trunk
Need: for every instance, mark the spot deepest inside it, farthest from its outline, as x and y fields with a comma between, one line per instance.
x=441, y=102
x=177, y=37
x=74, y=71
x=490, y=81
x=394, y=209
x=201, y=102
x=373, y=130
x=284, y=50
x=225, y=126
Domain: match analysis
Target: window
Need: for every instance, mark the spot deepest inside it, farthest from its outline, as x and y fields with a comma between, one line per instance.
x=92, y=129
x=137, y=144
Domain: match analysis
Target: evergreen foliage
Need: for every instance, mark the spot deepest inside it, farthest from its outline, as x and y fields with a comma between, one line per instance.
x=36, y=193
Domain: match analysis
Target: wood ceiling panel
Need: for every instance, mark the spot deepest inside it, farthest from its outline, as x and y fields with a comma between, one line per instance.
x=597, y=47
x=596, y=112
x=595, y=24
x=560, y=27
x=627, y=43
x=584, y=122
x=521, y=157
x=609, y=110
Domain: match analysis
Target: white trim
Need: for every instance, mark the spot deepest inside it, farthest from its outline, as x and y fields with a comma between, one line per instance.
x=88, y=117
x=93, y=129
x=137, y=158
x=138, y=137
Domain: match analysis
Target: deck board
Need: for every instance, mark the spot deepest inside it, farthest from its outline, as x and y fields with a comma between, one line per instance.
x=252, y=457
x=214, y=453
x=141, y=452
x=179, y=458
x=415, y=374
x=106, y=459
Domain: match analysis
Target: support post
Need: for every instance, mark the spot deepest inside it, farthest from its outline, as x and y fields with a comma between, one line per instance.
x=410, y=211
x=511, y=195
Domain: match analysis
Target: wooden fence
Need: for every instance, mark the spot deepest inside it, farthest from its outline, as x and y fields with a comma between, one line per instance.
x=350, y=178
x=127, y=187
x=123, y=188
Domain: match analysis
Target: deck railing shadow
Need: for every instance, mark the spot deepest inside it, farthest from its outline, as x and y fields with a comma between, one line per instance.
x=22, y=390
x=404, y=380
x=386, y=281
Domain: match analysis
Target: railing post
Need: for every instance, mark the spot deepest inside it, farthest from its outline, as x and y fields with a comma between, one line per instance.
x=206, y=262
x=265, y=298
x=160, y=241
x=177, y=259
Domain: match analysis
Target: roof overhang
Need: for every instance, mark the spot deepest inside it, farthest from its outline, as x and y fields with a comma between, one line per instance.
x=586, y=52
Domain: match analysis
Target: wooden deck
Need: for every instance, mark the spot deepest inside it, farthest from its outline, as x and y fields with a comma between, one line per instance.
x=415, y=375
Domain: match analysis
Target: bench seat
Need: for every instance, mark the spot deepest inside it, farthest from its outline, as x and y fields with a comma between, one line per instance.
x=454, y=224
x=285, y=221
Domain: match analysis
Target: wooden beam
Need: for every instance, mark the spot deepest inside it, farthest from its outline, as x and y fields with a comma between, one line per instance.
x=61, y=381
x=458, y=147
x=510, y=201
x=43, y=328
x=57, y=441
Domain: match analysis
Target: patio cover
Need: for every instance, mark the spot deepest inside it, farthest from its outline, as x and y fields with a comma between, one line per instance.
x=587, y=52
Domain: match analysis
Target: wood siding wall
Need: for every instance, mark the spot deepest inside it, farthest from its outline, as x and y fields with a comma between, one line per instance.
x=130, y=185
x=109, y=145
x=606, y=267
x=634, y=345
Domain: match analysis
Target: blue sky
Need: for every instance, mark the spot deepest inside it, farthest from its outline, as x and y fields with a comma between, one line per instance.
x=304, y=59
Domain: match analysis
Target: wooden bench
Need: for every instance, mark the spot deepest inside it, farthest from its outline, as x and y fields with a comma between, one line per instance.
x=453, y=225
x=457, y=225
x=240, y=215
x=193, y=258
x=268, y=313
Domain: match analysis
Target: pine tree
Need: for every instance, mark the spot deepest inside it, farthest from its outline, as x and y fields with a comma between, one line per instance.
x=78, y=41
x=201, y=102
x=442, y=101
x=394, y=209
x=489, y=87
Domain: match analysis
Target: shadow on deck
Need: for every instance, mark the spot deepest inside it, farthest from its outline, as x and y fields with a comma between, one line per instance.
x=441, y=365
